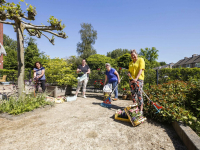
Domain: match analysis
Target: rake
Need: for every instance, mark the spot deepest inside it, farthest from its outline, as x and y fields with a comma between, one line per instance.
x=157, y=106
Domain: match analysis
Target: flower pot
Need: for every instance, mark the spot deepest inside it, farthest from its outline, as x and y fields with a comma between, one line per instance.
x=130, y=97
x=124, y=97
x=68, y=90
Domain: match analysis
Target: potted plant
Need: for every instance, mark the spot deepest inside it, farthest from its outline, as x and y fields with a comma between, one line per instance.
x=124, y=95
x=129, y=94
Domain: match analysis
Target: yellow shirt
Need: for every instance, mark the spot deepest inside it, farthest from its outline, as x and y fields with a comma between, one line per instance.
x=134, y=68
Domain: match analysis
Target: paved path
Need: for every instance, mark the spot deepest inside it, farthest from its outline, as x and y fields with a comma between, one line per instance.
x=84, y=125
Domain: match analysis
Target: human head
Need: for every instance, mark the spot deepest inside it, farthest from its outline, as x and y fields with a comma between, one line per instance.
x=134, y=55
x=108, y=66
x=38, y=65
x=83, y=62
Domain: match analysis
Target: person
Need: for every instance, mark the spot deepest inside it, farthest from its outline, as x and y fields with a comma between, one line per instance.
x=86, y=70
x=113, y=77
x=136, y=70
x=39, y=76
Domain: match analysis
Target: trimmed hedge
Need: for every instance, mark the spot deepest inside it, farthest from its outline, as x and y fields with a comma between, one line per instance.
x=12, y=74
x=180, y=101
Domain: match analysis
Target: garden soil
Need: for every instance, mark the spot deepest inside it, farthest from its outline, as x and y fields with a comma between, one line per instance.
x=83, y=124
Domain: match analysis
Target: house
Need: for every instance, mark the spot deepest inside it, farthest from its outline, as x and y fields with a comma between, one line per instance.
x=170, y=65
x=190, y=62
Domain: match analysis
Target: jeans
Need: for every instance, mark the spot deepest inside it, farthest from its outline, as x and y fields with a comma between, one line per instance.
x=116, y=90
x=42, y=82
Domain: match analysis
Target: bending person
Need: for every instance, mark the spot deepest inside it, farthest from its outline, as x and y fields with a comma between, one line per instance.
x=113, y=77
x=136, y=70
x=86, y=70
x=39, y=76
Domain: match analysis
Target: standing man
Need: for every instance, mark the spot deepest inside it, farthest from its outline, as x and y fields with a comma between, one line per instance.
x=136, y=70
x=86, y=70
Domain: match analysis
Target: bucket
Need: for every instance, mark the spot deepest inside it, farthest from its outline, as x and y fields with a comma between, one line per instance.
x=72, y=98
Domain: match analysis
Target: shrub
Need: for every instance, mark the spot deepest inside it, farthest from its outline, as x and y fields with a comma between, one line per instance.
x=17, y=106
x=180, y=101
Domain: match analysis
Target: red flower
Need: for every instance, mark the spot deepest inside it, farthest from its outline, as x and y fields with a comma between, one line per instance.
x=120, y=68
x=124, y=89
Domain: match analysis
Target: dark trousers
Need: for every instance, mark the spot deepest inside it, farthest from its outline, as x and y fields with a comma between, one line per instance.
x=42, y=82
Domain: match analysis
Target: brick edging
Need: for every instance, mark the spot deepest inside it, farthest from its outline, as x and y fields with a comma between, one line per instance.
x=187, y=135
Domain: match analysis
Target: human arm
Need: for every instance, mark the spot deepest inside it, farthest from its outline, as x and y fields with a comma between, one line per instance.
x=105, y=80
x=138, y=75
x=116, y=73
x=43, y=71
x=34, y=74
x=78, y=69
x=88, y=71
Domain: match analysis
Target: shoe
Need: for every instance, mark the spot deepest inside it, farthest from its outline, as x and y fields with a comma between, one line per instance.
x=84, y=96
x=141, y=112
x=115, y=99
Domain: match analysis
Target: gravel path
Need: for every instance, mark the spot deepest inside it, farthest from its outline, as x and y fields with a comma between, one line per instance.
x=84, y=125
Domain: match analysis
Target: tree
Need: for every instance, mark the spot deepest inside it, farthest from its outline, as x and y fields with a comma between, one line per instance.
x=151, y=55
x=117, y=53
x=88, y=37
x=162, y=63
x=10, y=60
x=59, y=71
x=74, y=61
x=124, y=60
x=7, y=41
x=14, y=12
x=98, y=61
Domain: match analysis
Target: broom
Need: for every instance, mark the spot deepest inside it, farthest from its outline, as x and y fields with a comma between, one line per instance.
x=107, y=102
x=157, y=106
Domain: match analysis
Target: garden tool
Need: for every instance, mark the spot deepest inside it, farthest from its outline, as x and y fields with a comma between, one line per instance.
x=107, y=102
x=157, y=106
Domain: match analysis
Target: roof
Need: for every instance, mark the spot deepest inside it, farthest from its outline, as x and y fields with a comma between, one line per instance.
x=2, y=50
x=179, y=62
x=194, y=59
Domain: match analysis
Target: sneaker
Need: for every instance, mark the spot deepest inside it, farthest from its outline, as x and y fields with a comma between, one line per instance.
x=84, y=96
x=141, y=112
x=115, y=99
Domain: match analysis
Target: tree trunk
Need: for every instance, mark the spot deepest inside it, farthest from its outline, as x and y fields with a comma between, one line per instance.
x=20, y=58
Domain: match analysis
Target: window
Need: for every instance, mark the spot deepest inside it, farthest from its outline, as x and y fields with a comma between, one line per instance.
x=197, y=65
x=187, y=65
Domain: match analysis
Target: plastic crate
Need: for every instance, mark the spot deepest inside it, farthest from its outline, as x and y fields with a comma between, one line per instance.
x=137, y=121
x=121, y=119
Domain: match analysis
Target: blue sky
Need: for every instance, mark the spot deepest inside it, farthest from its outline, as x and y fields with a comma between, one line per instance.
x=172, y=26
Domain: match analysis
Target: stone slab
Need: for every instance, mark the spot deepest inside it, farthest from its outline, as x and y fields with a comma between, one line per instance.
x=187, y=135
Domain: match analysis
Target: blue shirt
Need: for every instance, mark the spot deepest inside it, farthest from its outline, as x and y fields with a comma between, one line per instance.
x=111, y=76
x=39, y=72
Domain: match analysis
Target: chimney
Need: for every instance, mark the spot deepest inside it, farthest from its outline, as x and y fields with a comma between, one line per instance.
x=185, y=57
x=194, y=55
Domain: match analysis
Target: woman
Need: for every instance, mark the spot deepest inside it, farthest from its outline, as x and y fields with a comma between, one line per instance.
x=39, y=76
x=86, y=70
x=136, y=70
x=113, y=77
